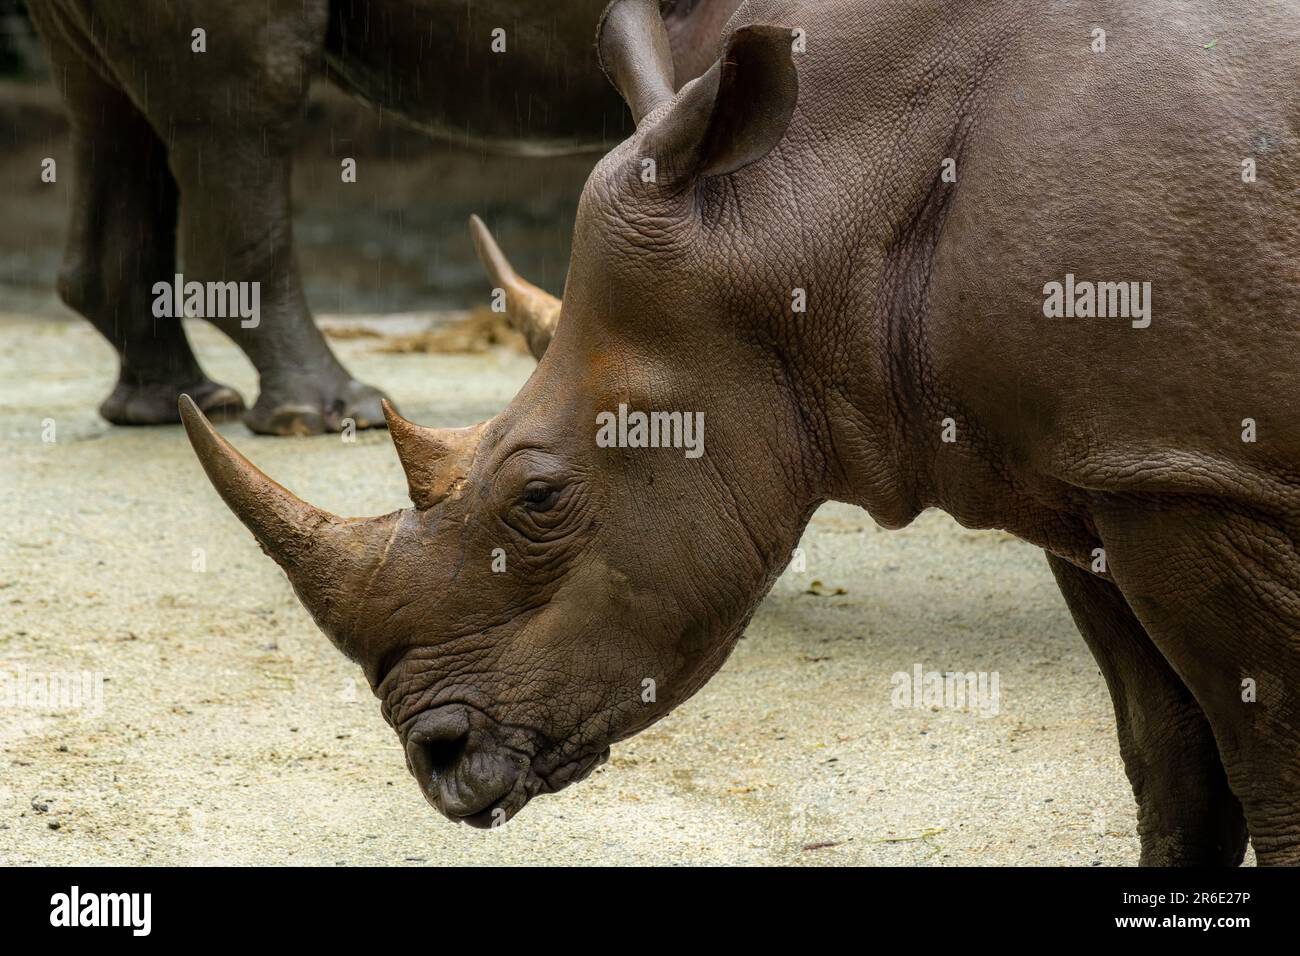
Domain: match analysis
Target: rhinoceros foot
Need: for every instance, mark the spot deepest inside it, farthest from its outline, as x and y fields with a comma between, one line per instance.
x=155, y=403
x=314, y=408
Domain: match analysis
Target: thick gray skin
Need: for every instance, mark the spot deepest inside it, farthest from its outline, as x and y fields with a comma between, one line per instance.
x=924, y=304
x=157, y=127
x=1072, y=433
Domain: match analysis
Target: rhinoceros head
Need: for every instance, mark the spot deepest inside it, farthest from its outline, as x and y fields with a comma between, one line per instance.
x=561, y=582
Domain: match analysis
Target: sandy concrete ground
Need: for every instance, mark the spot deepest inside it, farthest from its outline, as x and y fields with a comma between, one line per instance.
x=231, y=732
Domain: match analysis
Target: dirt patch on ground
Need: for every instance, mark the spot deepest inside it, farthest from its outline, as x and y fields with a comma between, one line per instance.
x=471, y=333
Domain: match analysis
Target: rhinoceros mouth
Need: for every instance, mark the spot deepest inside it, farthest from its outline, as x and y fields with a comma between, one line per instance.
x=529, y=785
x=477, y=770
x=497, y=812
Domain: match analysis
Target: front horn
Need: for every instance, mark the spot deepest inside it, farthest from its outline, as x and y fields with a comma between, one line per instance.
x=327, y=558
x=533, y=311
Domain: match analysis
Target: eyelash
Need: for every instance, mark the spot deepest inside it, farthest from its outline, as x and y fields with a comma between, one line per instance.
x=538, y=496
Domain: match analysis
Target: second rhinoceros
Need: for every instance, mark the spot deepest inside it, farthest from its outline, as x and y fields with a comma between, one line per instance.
x=847, y=246
x=184, y=119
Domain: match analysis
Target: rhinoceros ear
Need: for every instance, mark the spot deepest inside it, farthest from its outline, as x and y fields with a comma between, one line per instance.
x=734, y=114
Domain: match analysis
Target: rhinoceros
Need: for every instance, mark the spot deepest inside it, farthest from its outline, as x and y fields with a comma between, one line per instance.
x=847, y=245
x=184, y=116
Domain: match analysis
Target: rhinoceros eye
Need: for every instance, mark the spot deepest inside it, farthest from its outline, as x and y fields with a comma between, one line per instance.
x=540, y=496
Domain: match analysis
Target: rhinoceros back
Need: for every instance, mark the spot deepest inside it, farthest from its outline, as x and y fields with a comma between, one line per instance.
x=514, y=76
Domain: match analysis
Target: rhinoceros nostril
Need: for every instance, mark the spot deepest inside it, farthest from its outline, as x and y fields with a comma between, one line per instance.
x=443, y=754
x=436, y=743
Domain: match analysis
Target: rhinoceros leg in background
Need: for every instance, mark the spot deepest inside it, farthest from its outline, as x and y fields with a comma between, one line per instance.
x=1187, y=816
x=1217, y=586
x=228, y=117
x=121, y=239
x=233, y=127
x=236, y=224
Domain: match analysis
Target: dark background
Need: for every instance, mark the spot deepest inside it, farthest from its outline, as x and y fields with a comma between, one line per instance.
x=394, y=241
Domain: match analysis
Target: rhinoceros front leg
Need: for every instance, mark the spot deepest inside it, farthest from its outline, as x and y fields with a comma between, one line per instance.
x=122, y=239
x=1216, y=583
x=237, y=227
x=1187, y=816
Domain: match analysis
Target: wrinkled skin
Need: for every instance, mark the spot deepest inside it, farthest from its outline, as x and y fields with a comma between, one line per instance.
x=924, y=304
x=167, y=140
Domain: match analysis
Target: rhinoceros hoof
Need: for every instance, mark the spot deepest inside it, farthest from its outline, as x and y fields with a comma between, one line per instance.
x=354, y=403
x=156, y=404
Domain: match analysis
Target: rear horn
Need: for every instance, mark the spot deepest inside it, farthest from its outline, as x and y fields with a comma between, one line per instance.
x=533, y=311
